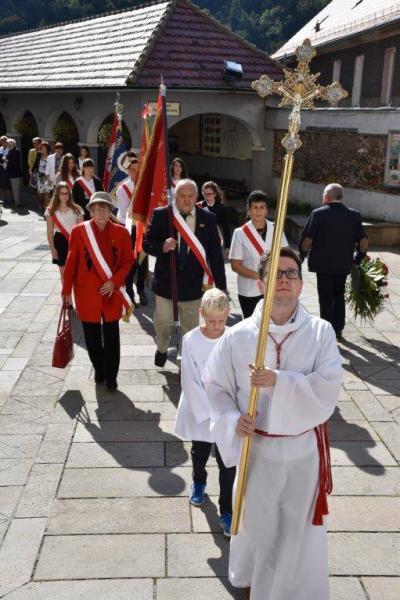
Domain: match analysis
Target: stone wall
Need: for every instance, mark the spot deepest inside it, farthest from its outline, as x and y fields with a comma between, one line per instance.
x=354, y=160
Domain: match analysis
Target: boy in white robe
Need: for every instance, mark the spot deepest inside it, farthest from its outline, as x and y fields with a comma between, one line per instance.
x=280, y=551
x=193, y=416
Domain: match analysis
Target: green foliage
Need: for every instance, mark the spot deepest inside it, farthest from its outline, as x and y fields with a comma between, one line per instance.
x=266, y=23
x=366, y=289
x=25, y=126
x=65, y=130
x=104, y=134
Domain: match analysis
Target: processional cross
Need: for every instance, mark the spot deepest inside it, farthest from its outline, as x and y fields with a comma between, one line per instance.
x=299, y=89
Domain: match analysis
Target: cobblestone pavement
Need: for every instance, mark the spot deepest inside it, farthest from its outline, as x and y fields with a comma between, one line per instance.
x=93, y=496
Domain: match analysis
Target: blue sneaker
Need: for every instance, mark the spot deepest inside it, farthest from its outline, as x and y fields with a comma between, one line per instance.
x=225, y=520
x=197, y=494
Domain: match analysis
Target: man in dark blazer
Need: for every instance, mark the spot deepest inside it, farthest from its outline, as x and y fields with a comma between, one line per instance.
x=335, y=239
x=14, y=170
x=189, y=273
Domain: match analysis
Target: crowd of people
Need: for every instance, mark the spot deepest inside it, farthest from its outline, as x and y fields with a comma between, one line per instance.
x=45, y=170
x=93, y=241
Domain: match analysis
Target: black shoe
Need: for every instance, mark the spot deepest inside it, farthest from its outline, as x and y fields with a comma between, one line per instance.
x=98, y=378
x=143, y=299
x=112, y=385
x=160, y=358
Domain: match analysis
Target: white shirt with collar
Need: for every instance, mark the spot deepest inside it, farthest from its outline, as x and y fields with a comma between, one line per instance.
x=242, y=249
x=51, y=169
x=123, y=200
x=190, y=220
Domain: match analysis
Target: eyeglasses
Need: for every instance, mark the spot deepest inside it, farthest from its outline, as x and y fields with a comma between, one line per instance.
x=64, y=193
x=289, y=273
x=208, y=193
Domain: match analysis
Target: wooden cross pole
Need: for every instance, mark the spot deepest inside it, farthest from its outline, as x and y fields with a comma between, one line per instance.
x=298, y=89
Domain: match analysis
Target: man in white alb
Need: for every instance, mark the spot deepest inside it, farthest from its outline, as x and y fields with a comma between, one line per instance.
x=249, y=242
x=280, y=551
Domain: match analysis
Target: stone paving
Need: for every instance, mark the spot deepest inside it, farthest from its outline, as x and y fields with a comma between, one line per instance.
x=93, y=485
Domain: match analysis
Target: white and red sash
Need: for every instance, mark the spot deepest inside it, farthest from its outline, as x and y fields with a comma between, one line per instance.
x=102, y=266
x=62, y=226
x=88, y=192
x=194, y=244
x=255, y=239
x=127, y=191
x=70, y=183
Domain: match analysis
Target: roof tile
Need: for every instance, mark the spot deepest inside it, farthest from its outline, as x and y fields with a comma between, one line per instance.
x=173, y=37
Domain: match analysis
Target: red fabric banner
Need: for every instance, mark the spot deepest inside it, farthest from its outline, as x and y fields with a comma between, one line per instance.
x=151, y=188
x=110, y=153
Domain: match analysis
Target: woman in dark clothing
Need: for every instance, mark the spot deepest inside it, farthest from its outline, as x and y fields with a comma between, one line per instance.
x=86, y=185
x=178, y=171
x=213, y=198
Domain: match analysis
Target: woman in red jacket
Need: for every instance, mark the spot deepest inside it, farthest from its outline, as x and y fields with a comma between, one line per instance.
x=100, y=257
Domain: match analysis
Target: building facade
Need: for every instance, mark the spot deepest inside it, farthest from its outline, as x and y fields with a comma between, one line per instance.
x=358, y=143
x=61, y=82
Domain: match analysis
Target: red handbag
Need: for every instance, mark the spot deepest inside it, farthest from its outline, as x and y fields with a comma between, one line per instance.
x=63, y=351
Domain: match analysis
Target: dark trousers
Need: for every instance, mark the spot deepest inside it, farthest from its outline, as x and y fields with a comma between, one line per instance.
x=200, y=454
x=248, y=304
x=331, y=299
x=103, y=346
x=141, y=272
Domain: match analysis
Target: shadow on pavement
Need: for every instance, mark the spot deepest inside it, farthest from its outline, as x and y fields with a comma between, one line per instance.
x=117, y=408
x=388, y=354
x=219, y=565
x=357, y=454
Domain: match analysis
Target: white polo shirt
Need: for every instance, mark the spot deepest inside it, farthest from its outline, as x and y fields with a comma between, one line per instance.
x=242, y=249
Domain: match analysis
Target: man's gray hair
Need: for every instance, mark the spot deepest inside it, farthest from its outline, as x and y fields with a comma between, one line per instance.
x=183, y=182
x=334, y=190
x=36, y=139
x=11, y=141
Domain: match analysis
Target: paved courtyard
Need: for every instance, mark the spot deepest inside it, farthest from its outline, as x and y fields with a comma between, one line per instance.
x=93, y=485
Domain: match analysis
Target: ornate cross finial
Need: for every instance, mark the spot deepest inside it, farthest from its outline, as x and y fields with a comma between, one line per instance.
x=299, y=89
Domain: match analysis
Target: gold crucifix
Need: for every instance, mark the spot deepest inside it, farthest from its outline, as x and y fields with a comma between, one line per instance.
x=299, y=89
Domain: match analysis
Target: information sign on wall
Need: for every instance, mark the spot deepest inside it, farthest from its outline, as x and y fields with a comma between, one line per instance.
x=173, y=108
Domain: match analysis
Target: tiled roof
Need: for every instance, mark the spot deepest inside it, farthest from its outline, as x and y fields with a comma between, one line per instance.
x=93, y=52
x=191, y=49
x=340, y=19
x=132, y=48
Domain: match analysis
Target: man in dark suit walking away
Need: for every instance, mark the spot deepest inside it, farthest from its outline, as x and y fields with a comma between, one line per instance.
x=335, y=239
x=14, y=170
x=197, y=247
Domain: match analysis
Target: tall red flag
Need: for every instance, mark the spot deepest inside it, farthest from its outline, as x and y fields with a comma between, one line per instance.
x=144, y=143
x=151, y=188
